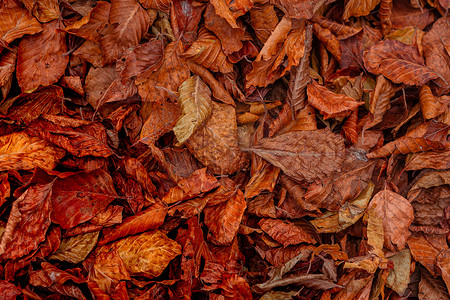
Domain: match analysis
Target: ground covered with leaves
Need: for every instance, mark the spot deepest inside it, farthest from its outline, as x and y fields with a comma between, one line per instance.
x=224, y=149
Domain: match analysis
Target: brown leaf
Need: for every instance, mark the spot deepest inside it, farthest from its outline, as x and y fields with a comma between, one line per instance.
x=427, y=136
x=79, y=197
x=436, y=56
x=397, y=214
x=264, y=20
x=28, y=222
x=286, y=232
x=41, y=60
x=194, y=98
x=207, y=52
x=23, y=152
x=146, y=254
x=79, y=137
x=90, y=26
x=299, y=153
x=75, y=249
x=429, y=105
x=16, y=22
x=128, y=22
x=108, y=270
x=224, y=218
x=151, y=218
x=432, y=288
x=215, y=144
x=231, y=10
x=429, y=159
x=341, y=31
x=298, y=9
x=197, y=183
x=264, y=179
x=329, y=40
x=157, y=84
x=163, y=5
x=398, y=62
x=162, y=118
x=330, y=104
x=141, y=59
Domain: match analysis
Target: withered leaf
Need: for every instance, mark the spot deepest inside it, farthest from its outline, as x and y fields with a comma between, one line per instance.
x=43, y=10
x=330, y=104
x=304, y=155
x=151, y=218
x=298, y=9
x=397, y=214
x=162, y=118
x=41, y=60
x=78, y=137
x=23, y=152
x=108, y=270
x=215, y=144
x=16, y=21
x=128, y=22
x=28, y=222
x=286, y=232
x=194, y=98
x=79, y=197
x=146, y=254
x=75, y=249
x=398, y=62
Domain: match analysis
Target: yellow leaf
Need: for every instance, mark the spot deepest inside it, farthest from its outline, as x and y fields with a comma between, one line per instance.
x=195, y=101
x=75, y=249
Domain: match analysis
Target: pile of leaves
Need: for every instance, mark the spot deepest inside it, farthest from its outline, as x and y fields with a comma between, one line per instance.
x=224, y=149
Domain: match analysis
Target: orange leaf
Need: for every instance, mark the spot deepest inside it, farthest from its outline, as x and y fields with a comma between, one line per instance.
x=423, y=252
x=16, y=21
x=429, y=105
x=7, y=66
x=330, y=104
x=146, y=254
x=207, y=52
x=398, y=62
x=298, y=9
x=41, y=59
x=264, y=20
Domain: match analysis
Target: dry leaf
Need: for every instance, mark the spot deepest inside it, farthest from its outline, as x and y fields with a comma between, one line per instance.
x=195, y=101
x=75, y=249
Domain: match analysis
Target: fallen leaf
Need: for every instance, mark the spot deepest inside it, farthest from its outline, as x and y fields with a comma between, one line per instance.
x=195, y=101
x=146, y=254
x=28, y=222
x=296, y=152
x=75, y=249
x=398, y=62
x=23, y=152
x=43, y=10
x=16, y=22
x=286, y=232
x=40, y=59
x=397, y=214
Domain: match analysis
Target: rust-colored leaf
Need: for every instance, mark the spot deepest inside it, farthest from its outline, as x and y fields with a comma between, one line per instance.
x=9, y=290
x=398, y=62
x=157, y=84
x=16, y=21
x=397, y=214
x=79, y=197
x=264, y=20
x=40, y=59
x=78, y=137
x=7, y=66
x=286, y=232
x=90, y=26
x=429, y=105
x=354, y=8
x=162, y=118
x=108, y=270
x=128, y=22
x=28, y=222
x=298, y=9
